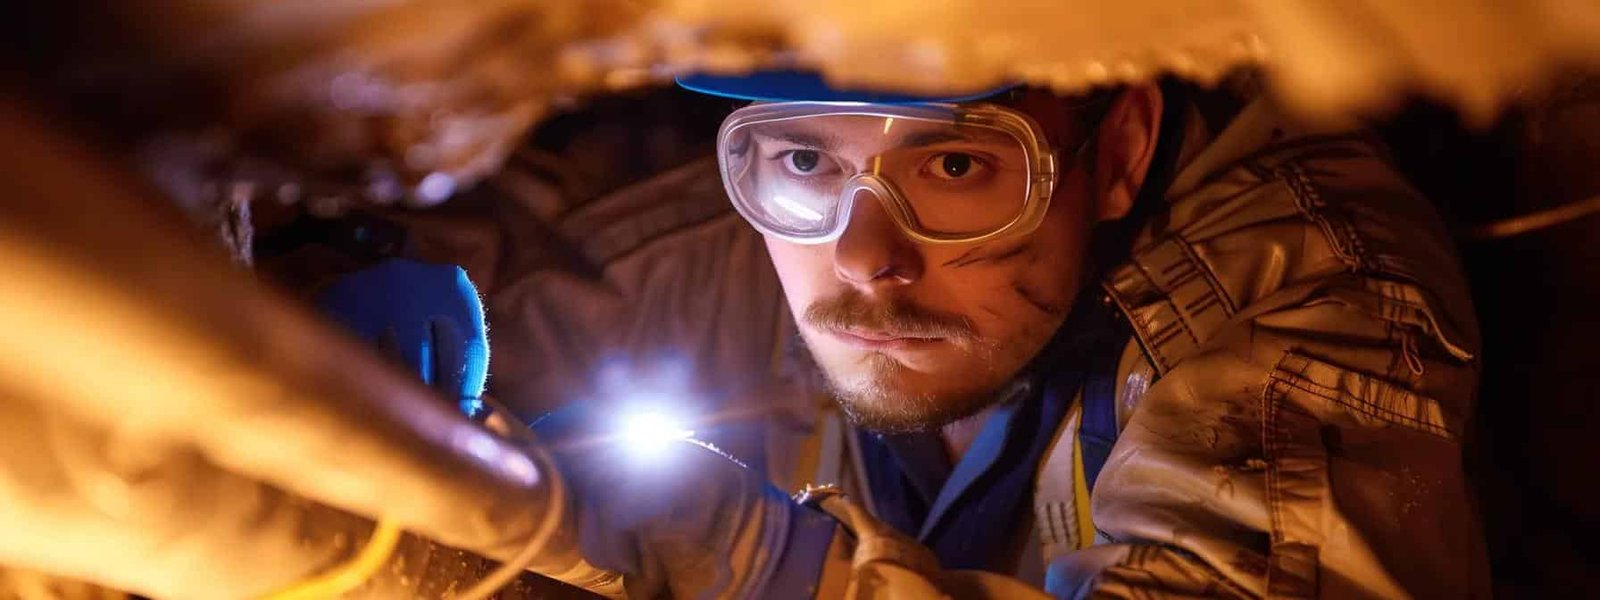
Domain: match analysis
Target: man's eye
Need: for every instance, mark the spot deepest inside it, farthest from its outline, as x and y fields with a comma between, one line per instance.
x=954, y=165
x=802, y=161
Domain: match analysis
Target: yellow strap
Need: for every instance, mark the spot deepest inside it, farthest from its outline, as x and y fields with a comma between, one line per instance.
x=1080, y=496
x=350, y=575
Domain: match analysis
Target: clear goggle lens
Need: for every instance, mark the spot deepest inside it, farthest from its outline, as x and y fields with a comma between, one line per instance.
x=945, y=174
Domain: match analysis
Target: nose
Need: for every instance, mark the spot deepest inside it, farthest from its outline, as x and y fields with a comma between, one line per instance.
x=872, y=252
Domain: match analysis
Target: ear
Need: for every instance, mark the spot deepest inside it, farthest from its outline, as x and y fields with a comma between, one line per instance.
x=1126, y=145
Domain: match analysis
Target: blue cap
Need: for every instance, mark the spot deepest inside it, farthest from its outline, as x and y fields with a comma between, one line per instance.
x=799, y=86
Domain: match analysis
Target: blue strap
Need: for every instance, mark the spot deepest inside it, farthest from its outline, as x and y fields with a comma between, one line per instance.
x=1098, y=429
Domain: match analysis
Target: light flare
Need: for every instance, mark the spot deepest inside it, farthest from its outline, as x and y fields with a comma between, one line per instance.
x=647, y=432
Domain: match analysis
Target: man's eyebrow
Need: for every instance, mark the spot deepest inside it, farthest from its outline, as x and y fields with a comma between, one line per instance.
x=918, y=139
x=803, y=139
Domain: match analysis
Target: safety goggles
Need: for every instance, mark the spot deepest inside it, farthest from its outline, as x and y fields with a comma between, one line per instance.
x=946, y=174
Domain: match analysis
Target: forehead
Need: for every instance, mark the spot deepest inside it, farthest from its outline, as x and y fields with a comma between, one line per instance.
x=850, y=130
x=840, y=131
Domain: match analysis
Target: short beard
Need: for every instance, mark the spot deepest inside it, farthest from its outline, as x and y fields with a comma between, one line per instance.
x=882, y=409
x=870, y=403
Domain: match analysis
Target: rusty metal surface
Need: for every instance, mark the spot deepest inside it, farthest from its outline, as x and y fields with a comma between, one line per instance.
x=409, y=102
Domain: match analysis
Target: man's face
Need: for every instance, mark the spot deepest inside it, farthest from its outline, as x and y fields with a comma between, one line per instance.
x=915, y=336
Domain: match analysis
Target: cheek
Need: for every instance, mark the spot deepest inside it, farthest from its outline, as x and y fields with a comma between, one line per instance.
x=1062, y=255
x=1060, y=246
x=803, y=270
x=1033, y=289
x=1061, y=252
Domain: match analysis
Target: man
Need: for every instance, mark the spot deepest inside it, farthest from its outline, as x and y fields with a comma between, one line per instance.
x=1125, y=346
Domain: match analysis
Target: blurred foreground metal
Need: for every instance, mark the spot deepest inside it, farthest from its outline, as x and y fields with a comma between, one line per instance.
x=175, y=429
x=412, y=101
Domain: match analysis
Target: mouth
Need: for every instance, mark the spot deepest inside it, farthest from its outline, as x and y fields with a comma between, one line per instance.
x=881, y=341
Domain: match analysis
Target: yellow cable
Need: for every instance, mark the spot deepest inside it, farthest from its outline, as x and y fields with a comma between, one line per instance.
x=1080, y=493
x=350, y=575
x=386, y=536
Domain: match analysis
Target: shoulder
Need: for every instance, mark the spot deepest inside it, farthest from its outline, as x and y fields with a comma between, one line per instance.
x=1293, y=247
x=1315, y=360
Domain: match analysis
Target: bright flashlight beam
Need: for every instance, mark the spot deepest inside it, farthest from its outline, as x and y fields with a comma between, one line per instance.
x=649, y=430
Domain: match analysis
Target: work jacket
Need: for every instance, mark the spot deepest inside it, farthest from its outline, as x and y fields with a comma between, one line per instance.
x=1291, y=400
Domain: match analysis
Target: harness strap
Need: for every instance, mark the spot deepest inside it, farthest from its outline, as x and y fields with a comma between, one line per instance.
x=1057, y=520
x=1062, y=520
x=1098, y=430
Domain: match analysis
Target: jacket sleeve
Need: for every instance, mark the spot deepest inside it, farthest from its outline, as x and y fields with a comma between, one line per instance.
x=1316, y=355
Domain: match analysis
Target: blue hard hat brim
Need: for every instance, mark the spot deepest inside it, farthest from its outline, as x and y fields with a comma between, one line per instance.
x=797, y=86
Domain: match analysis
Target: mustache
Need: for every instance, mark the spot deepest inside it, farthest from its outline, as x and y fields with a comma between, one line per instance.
x=898, y=317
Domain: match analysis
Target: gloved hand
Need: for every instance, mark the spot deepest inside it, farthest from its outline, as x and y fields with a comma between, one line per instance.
x=677, y=518
x=673, y=518
x=428, y=315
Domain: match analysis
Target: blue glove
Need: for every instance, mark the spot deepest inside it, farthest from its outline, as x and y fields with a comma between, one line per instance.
x=428, y=315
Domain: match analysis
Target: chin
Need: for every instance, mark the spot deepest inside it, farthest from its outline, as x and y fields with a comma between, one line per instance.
x=893, y=413
x=879, y=394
